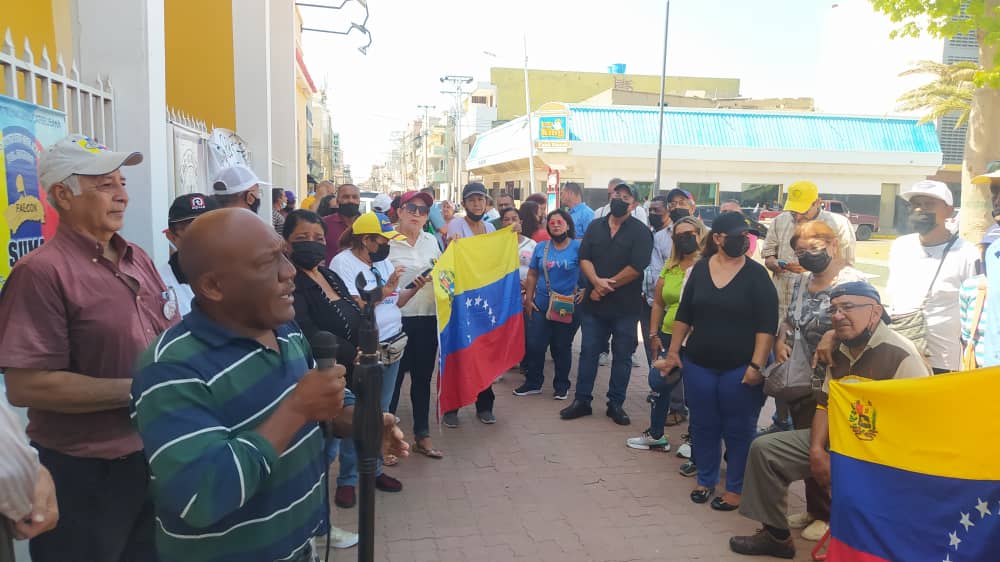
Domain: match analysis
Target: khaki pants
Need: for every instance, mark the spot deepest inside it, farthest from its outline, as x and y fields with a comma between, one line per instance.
x=775, y=461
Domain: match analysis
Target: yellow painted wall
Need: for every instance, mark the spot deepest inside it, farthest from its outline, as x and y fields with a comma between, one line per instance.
x=573, y=87
x=45, y=23
x=199, y=47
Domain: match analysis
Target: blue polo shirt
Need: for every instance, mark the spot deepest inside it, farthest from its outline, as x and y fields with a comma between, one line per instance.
x=221, y=491
x=581, y=215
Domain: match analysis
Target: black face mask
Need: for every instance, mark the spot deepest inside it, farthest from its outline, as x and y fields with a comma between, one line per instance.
x=619, y=208
x=558, y=237
x=348, y=209
x=861, y=339
x=655, y=221
x=736, y=245
x=380, y=255
x=815, y=262
x=255, y=205
x=307, y=254
x=922, y=223
x=679, y=213
x=685, y=244
x=474, y=217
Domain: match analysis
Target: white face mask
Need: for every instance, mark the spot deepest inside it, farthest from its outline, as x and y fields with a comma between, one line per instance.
x=172, y=247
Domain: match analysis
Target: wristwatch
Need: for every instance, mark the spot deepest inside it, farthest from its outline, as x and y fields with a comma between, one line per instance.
x=755, y=366
x=651, y=336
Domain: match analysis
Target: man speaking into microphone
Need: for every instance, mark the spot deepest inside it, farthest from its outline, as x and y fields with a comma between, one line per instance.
x=228, y=407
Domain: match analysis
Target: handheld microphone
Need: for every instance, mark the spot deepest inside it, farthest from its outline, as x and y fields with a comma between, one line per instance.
x=324, y=348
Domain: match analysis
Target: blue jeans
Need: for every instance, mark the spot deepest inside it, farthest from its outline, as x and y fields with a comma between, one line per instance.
x=661, y=395
x=722, y=407
x=348, y=454
x=542, y=334
x=597, y=330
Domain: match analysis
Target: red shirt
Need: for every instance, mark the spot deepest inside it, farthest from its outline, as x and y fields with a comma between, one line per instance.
x=66, y=307
x=335, y=226
x=541, y=235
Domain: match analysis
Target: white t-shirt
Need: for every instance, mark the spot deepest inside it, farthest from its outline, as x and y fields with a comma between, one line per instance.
x=182, y=291
x=639, y=213
x=387, y=314
x=416, y=259
x=911, y=269
x=525, y=249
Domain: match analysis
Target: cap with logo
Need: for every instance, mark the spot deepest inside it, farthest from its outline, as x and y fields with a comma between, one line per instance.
x=189, y=206
x=860, y=289
x=235, y=179
x=375, y=223
x=801, y=196
x=82, y=156
x=929, y=188
x=732, y=223
x=381, y=203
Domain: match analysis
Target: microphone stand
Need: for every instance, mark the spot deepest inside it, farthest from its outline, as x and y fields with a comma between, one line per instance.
x=367, y=416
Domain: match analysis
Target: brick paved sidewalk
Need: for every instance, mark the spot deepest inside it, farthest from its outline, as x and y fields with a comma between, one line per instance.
x=535, y=487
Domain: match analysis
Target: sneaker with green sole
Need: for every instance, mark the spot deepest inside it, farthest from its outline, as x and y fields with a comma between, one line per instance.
x=647, y=442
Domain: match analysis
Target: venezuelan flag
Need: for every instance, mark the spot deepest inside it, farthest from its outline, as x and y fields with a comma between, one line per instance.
x=479, y=314
x=916, y=469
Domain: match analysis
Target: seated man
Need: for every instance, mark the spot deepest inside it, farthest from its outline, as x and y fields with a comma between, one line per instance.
x=868, y=350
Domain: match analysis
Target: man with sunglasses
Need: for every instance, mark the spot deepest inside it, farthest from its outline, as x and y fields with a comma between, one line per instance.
x=867, y=349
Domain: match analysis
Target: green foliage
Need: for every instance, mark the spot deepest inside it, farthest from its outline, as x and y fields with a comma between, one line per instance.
x=945, y=19
x=951, y=90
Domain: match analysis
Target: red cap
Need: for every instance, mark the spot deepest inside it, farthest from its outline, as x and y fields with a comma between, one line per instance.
x=411, y=195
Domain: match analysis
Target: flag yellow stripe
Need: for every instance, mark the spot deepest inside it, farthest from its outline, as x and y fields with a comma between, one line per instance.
x=946, y=425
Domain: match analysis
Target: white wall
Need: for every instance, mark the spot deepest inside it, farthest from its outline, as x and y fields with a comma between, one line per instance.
x=284, y=141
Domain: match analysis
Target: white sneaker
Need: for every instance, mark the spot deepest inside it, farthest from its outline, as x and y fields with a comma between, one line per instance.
x=339, y=538
x=815, y=531
x=800, y=520
x=646, y=442
x=635, y=359
x=603, y=360
x=684, y=452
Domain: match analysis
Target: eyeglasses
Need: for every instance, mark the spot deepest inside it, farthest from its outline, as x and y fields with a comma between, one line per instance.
x=813, y=250
x=415, y=209
x=845, y=308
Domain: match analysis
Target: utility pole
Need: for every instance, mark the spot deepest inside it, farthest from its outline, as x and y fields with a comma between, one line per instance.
x=527, y=111
x=426, y=108
x=457, y=82
x=663, y=79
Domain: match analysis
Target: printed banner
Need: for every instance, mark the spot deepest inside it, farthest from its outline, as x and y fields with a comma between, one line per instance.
x=27, y=219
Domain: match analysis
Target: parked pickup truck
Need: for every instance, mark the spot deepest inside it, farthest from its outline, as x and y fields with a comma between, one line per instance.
x=864, y=225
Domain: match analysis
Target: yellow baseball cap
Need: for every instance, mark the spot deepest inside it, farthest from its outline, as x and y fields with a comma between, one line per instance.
x=801, y=196
x=375, y=223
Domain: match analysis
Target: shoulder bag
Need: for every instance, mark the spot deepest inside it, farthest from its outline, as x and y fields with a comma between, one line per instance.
x=561, y=307
x=792, y=380
x=913, y=325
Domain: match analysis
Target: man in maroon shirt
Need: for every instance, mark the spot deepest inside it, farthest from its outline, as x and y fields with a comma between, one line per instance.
x=74, y=316
x=348, y=205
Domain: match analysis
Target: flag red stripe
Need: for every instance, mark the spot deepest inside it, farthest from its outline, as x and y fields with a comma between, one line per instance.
x=841, y=552
x=470, y=370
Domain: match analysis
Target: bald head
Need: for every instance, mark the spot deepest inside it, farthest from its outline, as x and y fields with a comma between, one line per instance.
x=237, y=268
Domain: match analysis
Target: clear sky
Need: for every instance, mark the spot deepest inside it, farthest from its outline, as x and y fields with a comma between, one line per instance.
x=784, y=48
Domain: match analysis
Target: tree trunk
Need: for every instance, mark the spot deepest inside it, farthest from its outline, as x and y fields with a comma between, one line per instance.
x=981, y=147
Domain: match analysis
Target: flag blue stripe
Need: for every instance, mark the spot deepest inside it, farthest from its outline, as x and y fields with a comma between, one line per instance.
x=479, y=311
x=902, y=515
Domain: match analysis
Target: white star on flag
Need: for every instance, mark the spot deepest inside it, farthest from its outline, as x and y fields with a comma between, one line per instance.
x=488, y=310
x=953, y=540
x=983, y=507
x=493, y=320
x=947, y=558
x=965, y=522
x=468, y=302
x=479, y=300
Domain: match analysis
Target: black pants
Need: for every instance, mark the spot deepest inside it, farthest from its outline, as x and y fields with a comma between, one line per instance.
x=484, y=401
x=105, y=511
x=419, y=360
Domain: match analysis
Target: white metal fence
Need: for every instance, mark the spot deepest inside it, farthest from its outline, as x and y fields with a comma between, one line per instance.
x=89, y=109
x=187, y=146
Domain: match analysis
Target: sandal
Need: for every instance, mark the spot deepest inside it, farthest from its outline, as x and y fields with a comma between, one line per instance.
x=702, y=495
x=720, y=504
x=390, y=460
x=432, y=452
x=675, y=418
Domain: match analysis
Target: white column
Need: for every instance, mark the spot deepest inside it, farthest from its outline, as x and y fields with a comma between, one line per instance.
x=284, y=140
x=252, y=77
x=131, y=52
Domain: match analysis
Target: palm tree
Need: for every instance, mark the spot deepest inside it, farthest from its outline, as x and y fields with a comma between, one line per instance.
x=950, y=92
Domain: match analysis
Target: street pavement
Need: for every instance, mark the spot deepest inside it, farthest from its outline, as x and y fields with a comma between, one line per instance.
x=535, y=487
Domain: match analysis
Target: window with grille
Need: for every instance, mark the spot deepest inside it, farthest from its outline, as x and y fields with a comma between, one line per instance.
x=964, y=40
x=484, y=100
x=952, y=140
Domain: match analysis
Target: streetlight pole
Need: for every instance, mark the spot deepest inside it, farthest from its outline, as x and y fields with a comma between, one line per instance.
x=663, y=80
x=426, y=138
x=527, y=112
x=457, y=82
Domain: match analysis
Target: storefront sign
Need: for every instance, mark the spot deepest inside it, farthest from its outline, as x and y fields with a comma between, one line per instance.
x=553, y=127
x=27, y=219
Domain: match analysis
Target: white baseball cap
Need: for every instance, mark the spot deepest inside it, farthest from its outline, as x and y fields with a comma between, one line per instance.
x=235, y=179
x=930, y=188
x=382, y=203
x=83, y=156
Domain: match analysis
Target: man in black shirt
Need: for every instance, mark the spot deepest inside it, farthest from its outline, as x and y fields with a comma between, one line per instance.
x=614, y=252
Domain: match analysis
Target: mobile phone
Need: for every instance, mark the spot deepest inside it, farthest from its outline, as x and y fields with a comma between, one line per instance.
x=782, y=264
x=424, y=274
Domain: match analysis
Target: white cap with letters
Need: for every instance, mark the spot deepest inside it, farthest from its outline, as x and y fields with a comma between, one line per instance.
x=82, y=156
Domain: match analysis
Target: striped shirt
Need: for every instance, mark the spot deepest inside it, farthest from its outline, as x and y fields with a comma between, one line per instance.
x=967, y=294
x=221, y=491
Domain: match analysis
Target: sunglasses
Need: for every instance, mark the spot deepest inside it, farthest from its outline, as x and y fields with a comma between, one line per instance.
x=415, y=209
